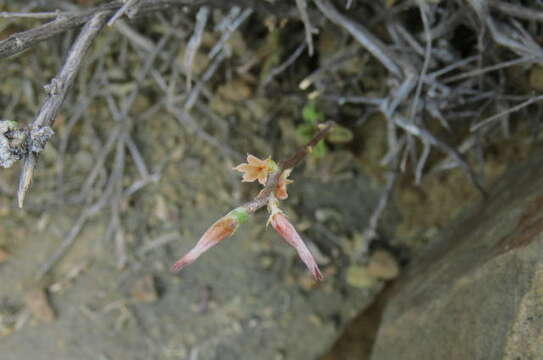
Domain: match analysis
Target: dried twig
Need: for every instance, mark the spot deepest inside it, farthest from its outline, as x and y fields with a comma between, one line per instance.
x=32, y=15
x=19, y=42
x=130, y=8
x=158, y=242
x=135, y=38
x=194, y=42
x=423, y=9
x=470, y=74
x=370, y=233
x=282, y=67
x=184, y=118
x=422, y=161
x=495, y=117
x=425, y=135
x=309, y=29
x=193, y=95
x=57, y=93
x=522, y=12
x=515, y=39
x=70, y=238
x=362, y=35
x=229, y=28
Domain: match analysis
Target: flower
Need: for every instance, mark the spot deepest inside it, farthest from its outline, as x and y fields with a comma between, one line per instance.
x=220, y=230
x=284, y=228
x=281, y=189
x=256, y=169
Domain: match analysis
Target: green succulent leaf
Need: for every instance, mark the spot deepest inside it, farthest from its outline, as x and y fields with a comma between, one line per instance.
x=305, y=132
x=311, y=114
x=320, y=150
x=340, y=135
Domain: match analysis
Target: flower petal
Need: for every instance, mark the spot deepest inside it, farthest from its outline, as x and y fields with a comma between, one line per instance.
x=254, y=161
x=281, y=193
x=250, y=175
x=254, y=169
x=262, y=177
x=281, y=188
x=220, y=230
x=242, y=167
x=284, y=228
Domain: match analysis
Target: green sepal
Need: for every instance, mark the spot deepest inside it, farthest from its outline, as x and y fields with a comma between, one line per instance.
x=272, y=166
x=311, y=114
x=319, y=150
x=241, y=214
x=305, y=131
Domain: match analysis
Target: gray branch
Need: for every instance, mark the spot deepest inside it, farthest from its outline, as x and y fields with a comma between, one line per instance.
x=57, y=90
x=22, y=41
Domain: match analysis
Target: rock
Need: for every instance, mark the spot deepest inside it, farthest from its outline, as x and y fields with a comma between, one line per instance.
x=477, y=293
x=536, y=78
x=266, y=261
x=307, y=282
x=84, y=160
x=358, y=276
x=383, y=265
x=4, y=254
x=161, y=208
x=235, y=90
x=340, y=135
x=325, y=214
x=144, y=290
x=36, y=300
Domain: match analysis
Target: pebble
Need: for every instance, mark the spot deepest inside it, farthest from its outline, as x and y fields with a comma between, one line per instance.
x=235, y=90
x=144, y=290
x=359, y=277
x=307, y=282
x=266, y=261
x=536, y=78
x=38, y=303
x=324, y=214
x=383, y=265
x=4, y=254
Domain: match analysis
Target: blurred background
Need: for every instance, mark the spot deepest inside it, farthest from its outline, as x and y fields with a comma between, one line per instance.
x=433, y=99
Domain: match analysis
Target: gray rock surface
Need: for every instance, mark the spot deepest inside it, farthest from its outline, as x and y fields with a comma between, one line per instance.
x=478, y=292
x=230, y=304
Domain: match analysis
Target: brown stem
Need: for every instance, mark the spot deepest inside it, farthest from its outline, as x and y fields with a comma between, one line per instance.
x=298, y=156
x=263, y=197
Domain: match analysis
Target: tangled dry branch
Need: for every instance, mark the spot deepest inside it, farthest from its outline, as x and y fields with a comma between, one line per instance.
x=431, y=82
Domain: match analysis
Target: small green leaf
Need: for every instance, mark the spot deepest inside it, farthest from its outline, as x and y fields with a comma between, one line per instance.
x=339, y=135
x=305, y=132
x=320, y=150
x=311, y=114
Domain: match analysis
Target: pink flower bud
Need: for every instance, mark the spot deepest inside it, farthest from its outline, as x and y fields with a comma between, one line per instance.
x=220, y=230
x=284, y=228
